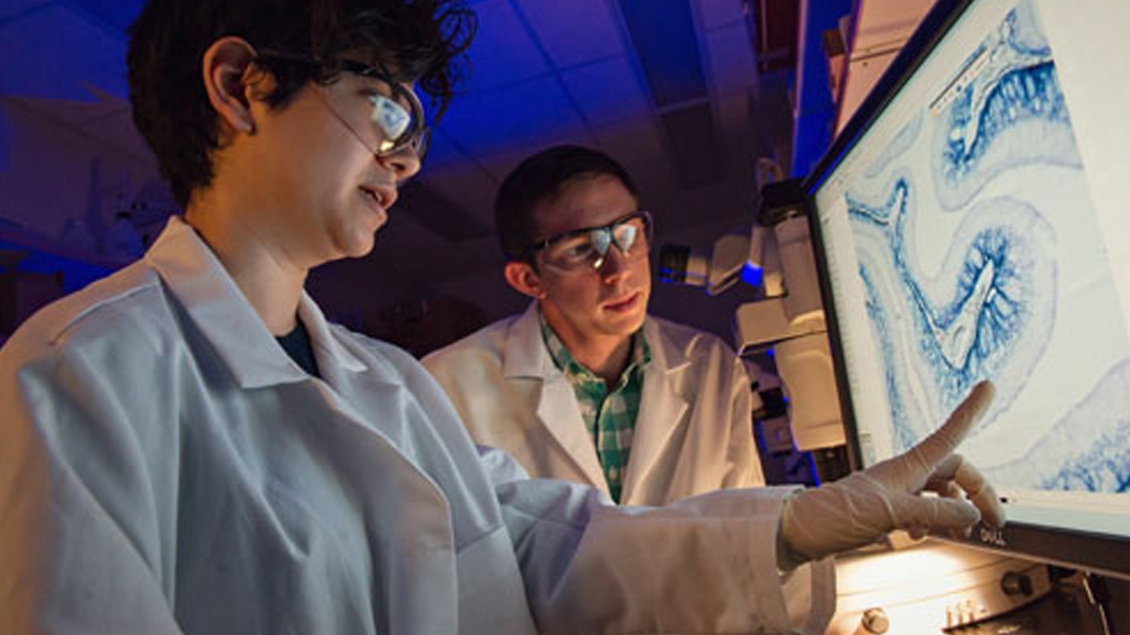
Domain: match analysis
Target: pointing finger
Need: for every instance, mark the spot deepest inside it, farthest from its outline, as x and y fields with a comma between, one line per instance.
x=945, y=440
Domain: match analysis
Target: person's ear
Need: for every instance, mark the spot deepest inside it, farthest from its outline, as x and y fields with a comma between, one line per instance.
x=227, y=67
x=522, y=276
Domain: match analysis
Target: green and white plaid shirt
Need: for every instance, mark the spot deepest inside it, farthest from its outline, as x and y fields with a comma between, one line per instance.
x=609, y=416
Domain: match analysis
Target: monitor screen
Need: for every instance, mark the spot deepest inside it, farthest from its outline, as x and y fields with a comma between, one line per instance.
x=972, y=222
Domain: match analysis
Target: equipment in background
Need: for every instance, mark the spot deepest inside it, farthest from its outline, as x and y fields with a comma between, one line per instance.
x=787, y=321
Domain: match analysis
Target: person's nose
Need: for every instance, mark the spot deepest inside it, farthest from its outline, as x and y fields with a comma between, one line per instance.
x=616, y=265
x=404, y=163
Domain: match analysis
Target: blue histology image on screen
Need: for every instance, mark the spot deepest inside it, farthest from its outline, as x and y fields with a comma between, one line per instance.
x=981, y=257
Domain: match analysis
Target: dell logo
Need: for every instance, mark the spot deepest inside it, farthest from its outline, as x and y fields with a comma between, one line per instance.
x=991, y=536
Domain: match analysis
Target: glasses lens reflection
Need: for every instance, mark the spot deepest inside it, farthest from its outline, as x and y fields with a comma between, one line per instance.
x=586, y=249
x=397, y=113
x=392, y=119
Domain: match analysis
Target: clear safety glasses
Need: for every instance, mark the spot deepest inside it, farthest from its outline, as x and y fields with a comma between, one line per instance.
x=397, y=114
x=586, y=249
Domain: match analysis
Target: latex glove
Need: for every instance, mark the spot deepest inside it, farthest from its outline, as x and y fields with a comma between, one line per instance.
x=865, y=506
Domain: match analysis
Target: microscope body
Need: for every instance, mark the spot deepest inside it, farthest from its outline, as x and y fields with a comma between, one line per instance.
x=790, y=321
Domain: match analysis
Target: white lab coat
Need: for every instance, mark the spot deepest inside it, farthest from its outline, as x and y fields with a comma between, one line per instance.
x=166, y=468
x=693, y=432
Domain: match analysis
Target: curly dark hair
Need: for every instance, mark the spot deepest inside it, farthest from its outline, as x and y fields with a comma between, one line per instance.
x=424, y=40
x=539, y=178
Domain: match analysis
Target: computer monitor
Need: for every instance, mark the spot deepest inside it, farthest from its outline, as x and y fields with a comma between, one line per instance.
x=972, y=222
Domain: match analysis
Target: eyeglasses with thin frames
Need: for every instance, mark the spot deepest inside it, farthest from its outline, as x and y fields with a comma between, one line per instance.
x=398, y=116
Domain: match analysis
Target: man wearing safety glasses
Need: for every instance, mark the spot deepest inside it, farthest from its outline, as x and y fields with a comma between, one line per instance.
x=188, y=446
x=585, y=385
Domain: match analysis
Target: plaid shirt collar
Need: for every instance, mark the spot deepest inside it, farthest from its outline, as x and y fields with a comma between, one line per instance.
x=576, y=373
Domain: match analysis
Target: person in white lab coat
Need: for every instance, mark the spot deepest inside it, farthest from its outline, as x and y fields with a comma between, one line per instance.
x=189, y=447
x=585, y=385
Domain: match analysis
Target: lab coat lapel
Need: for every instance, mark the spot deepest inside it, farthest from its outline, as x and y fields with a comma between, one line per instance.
x=326, y=346
x=525, y=359
x=661, y=408
x=218, y=309
x=345, y=382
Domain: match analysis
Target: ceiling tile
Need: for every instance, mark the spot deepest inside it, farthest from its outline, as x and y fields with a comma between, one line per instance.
x=72, y=112
x=525, y=115
x=574, y=32
x=627, y=141
x=667, y=45
x=104, y=116
x=500, y=163
x=11, y=9
x=638, y=146
x=730, y=55
x=442, y=151
x=502, y=51
x=116, y=13
x=608, y=91
x=55, y=52
x=715, y=13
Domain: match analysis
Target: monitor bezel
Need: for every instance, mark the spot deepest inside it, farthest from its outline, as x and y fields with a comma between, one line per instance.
x=1098, y=553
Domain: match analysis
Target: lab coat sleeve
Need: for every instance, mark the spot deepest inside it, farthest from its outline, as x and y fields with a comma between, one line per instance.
x=706, y=564
x=78, y=527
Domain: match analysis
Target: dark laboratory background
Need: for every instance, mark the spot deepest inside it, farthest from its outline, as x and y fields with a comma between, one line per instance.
x=688, y=94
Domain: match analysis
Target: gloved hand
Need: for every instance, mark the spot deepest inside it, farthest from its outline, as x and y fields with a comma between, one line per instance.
x=865, y=506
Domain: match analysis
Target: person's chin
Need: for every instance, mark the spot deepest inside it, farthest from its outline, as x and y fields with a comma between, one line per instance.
x=375, y=220
x=363, y=234
x=359, y=243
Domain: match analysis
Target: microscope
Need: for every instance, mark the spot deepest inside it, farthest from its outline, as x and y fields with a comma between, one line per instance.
x=787, y=321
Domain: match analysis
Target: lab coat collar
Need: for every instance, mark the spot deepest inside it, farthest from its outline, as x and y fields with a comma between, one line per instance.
x=661, y=407
x=525, y=354
x=665, y=352
x=525, y=358
x=227, y=320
